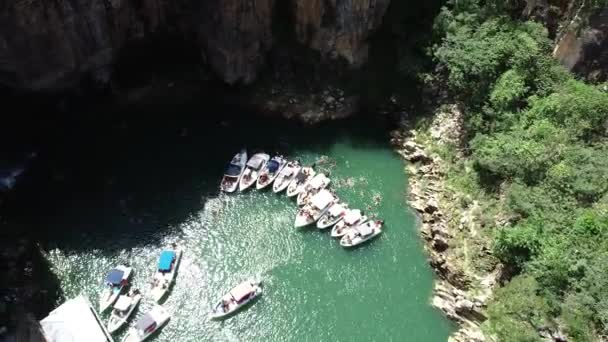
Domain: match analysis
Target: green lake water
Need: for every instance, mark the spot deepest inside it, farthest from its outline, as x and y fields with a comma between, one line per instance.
x=153, y=186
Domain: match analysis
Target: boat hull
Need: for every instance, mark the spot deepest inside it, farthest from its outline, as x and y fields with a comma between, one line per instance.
x=281, y=183
x=341, y=228
x=221, y=315
x=345, y=242
x=116, y=322
x=134, y=336
x=158, y=293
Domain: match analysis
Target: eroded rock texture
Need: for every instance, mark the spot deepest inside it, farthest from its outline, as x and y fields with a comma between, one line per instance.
x=56, y=44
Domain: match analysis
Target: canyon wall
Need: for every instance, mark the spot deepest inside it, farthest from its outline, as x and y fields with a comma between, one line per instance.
x=50, y=45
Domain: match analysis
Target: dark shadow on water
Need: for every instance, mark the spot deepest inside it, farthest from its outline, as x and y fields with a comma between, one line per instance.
x=129, y=178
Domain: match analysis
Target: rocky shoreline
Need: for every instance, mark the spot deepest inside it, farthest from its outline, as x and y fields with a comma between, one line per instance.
x=461, y=296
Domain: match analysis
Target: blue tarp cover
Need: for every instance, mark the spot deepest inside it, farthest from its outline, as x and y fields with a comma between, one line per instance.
x=166, y=258
x=233, y=170
x=273, y=165
x=114, y=277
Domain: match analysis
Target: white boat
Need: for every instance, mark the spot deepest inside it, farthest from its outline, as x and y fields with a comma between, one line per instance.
x=151, y=322
x=234, y=171
x=352, y=218
x=318, y=182
x=289, y=172
x=332, y=216
x=237, y=298
x=270, y=171
x=252, y=170
x=311, y=212
x=166, y=270
x=123, y=308
x=362, y=233
x=297, y=184
x=116, y=281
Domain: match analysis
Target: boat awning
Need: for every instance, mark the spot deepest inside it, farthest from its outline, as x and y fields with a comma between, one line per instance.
x=322, y=199
x=273, y=165
x=115, y=276
x=241, y=291
x=255, y=162
x=365, y=230
x=165, y=260
x=233, y=170
x=352, y=216
x=318, y=181
x=145, y=322
x=74, y=320
x=123, y=303
x=336, y=209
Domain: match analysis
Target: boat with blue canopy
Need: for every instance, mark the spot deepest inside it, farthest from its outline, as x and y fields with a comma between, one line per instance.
x=234, y=172
x=115, y=282
x=166, y=270
x=271, y=171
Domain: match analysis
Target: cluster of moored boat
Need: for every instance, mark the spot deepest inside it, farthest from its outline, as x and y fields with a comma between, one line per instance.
x=124, y=304
x=316, y=202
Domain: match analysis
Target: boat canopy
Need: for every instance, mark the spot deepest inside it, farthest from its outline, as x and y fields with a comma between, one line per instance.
x=273, y=165
x=123, y=303
x=352, y=216
x=233, y=170
x=318, y=181
x=322, y=199
x=241, y=291
x=146, y=322
x=336, y=209
x=256, y=161
x=365, y=230
x=115, y=277
x=166, y=260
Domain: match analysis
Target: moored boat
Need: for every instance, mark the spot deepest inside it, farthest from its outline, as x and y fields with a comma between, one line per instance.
x=270, y=171
x=234, y=171
x=352, y=218
x=236, y=298
x=166, y=271
x=361, y=233
x=300, y=180
x=151, y=322
x=311, y=212
x=252, y=170
x=115, y=282
x=123, y=308
x=318, y=182
x=289, y=172
x=332, y=216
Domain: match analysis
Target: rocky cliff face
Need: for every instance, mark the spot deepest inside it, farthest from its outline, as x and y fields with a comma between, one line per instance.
x=56, y=44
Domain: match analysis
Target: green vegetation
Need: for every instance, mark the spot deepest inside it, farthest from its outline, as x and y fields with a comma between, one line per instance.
x=537, y=149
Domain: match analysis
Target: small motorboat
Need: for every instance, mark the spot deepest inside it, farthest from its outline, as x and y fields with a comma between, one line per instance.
x=151, y=322
x=311, y=212
x=352, y=218
x=362, y=233
x=318, y=182
x=123, y=308
x=115, y=283
x=300, y=180
x=234, y=171
x=270, y=171
x=289, y=172
x=332, y=216
x=166, y=270
x=252, y=170
x=237, y=298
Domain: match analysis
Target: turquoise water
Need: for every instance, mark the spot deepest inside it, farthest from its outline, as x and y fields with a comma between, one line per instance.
x=161, y=188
